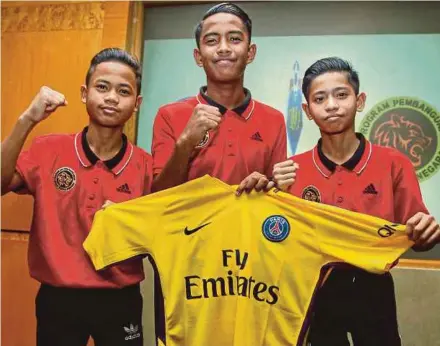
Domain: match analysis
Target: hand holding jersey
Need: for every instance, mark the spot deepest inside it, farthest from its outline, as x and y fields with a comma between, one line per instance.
x=255, y=181
x=424, y=230
x=284, y=174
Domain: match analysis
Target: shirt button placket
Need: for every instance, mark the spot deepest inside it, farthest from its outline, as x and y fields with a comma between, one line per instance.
x=230, y=143
x=92, y=193
x=339, y=182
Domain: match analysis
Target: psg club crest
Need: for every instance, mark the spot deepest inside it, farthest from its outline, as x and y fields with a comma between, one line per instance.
x=276, y=228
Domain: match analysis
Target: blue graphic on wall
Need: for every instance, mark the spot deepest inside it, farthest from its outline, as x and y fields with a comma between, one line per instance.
x=294, y=110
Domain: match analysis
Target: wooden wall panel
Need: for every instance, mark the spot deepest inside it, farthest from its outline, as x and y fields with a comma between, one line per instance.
x=18, y=292
x=115, y=24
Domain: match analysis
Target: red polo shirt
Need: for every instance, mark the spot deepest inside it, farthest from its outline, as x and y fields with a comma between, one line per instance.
x=69, y=184
x=251, y=137
x=377, y=181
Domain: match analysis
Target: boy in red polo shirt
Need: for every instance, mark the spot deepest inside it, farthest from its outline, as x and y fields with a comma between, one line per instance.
x=70, y=177
x=347, y=171
x=222, y=131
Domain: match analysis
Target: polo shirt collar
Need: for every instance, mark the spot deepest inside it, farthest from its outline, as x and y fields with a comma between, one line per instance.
x=88, y=158
x=244, y=110
x=357, y=163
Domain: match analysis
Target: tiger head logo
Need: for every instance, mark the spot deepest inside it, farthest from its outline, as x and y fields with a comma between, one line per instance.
x=404, y=135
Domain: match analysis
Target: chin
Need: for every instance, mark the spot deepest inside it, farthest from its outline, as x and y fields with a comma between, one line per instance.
x=226, y=78
x=108, y=123
x=334, y=131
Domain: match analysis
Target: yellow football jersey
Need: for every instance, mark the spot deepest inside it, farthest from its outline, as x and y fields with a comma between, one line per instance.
x=239, y=271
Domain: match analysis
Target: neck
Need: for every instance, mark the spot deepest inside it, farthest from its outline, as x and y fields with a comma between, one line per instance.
x=105, y=142
x=230, y=95
x=339, y=147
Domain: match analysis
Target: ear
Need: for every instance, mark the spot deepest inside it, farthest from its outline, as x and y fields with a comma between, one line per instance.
x=252, y=52
x=83, y=93
x=198, y=57
x=305, y=107
x=360, y=102
x=138, y=103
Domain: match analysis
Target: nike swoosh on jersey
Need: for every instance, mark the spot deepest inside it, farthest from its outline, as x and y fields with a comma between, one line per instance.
x=194, y=230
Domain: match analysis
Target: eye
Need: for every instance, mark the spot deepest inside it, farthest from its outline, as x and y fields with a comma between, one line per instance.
x=125, y=92
x=211, y=41
x=341, y=95
x=319, y=99
x=101, y=87
x=235, y=39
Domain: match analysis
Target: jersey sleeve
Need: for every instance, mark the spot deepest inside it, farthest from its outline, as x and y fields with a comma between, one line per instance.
x=122, y=231
x=407, y=195
x=29, y=165
x=279, y=151
x=163, y=142
x=361, y=240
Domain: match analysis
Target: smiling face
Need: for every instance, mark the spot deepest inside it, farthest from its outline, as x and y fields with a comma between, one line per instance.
x=225, y=49
x=333, y=103
x=111, y=94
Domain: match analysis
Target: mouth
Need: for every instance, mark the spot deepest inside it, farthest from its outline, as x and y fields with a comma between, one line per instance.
x=333, y=117
x=109, y=110
x=224, y=62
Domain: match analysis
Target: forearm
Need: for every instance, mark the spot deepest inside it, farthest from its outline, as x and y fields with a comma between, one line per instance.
x=175, y=171
x=11, y=148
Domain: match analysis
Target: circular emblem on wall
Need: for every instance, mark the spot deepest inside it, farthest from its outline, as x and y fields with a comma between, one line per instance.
x=64, y=178
x=204, y=141
x=410, y=125
x=276, y=228
x=311, y=193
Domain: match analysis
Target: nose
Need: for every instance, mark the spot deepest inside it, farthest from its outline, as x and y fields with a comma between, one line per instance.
x=111, y=97
x=223, y=47
x=331, y=104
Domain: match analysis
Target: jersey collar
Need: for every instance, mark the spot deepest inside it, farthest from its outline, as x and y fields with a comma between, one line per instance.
x=357, y=163
x=88, y=158
x=244, y=110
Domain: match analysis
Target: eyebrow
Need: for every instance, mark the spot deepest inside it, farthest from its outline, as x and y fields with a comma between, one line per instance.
x=333, y=90
x=100, y=80
x=232, y=32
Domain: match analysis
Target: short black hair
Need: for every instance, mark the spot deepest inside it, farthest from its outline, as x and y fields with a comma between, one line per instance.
x=118, y=55
x=331, y=64
x=225, y=7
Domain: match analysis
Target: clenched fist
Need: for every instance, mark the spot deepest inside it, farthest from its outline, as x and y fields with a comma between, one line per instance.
x=44, y=103
x=203, y=119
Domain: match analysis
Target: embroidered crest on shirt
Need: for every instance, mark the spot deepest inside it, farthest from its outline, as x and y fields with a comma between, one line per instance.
x=64, y=178
x=311, y=193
